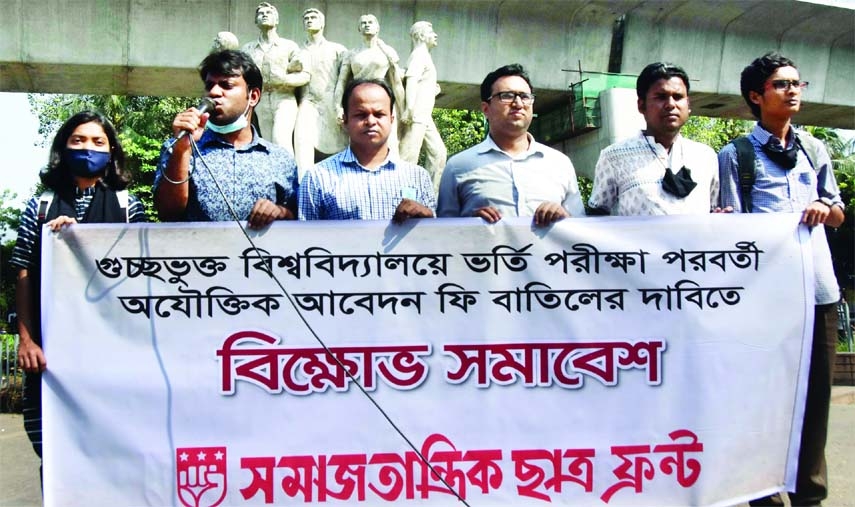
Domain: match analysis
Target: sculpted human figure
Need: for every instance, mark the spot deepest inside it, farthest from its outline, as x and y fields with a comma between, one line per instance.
x=374, y=60
x=277, y=111
x=317, y=128
x=224, y=40
x=421, y=89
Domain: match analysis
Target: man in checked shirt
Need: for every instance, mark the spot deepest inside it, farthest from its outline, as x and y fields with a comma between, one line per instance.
x=366, y=181
x=792, y=173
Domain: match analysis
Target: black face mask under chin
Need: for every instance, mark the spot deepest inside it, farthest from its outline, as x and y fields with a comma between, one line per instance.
x=784, y=157
x=680, y=184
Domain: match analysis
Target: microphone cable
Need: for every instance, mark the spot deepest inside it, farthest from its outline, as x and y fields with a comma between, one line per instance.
x=317, y=338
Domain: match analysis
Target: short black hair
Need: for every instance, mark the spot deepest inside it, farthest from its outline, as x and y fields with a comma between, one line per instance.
x=57, y=177
x=230, y=62
x=513, y=69
x=754, y=76
x=656, y=71
x=348, y=91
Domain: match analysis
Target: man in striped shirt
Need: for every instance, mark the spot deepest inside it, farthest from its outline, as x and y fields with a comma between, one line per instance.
x=366, y=181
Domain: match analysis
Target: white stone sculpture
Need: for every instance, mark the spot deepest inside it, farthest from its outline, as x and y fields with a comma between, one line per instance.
x=421, y=89
x=277, y=110
x=317, y=128
x=374, y=60
x=223, y=41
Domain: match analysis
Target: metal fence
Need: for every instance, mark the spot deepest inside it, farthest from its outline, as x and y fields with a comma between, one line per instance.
x=11, y=375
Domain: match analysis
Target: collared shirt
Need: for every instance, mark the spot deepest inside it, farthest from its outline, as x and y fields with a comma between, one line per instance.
x=484, y=175
x=777, y=189
x=272, y=60
x=28, y=230
x=322, y=59
x=258, y=170
x=629, y=173
x=339, y=188
x=780, y=190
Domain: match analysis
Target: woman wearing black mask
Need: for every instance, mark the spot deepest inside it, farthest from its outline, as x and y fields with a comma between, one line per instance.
x=85, y=180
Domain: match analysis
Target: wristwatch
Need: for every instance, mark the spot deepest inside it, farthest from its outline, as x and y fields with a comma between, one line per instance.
x=825, y=200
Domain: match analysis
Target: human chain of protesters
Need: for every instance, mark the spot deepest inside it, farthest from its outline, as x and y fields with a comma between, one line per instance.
x=257, y=359
x=319, y=132
x=540, y=474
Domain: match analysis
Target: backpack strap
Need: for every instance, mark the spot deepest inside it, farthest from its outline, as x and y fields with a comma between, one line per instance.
x=808, y=145
x=45, y=200
x=122, y=196
x=745, y=166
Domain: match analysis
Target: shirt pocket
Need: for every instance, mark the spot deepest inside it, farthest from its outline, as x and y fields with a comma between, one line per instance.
x=807, y=185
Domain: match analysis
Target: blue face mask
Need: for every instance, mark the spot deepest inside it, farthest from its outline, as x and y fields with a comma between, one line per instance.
x=86, y=163
x=239, y=123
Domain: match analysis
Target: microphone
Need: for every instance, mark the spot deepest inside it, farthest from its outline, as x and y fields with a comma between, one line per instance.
x=205, y=105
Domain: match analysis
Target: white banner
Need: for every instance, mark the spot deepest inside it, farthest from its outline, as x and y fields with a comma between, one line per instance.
x=604, y=361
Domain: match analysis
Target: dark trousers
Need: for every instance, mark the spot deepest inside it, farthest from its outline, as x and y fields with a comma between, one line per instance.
x=812, y=476
x=32, y=405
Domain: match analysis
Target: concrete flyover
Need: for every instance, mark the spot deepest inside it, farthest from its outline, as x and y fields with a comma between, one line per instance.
x=151, y=47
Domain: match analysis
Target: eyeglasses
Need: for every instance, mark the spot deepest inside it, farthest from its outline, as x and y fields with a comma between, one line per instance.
x=785, y=84
x=509, y=97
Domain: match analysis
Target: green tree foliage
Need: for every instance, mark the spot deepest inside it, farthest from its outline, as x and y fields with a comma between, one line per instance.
x=842, y=155
x=715, y=132
x=841, y=241
x=143, y=124
x=10, y=215
x=460, y=128
x=10, y=218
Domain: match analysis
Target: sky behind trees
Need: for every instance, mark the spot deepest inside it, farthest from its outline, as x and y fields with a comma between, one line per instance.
x=20, y=158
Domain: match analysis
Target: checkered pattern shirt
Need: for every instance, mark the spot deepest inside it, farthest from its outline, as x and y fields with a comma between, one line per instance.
x=777, y=189
x=339, y=188
x=780, y=190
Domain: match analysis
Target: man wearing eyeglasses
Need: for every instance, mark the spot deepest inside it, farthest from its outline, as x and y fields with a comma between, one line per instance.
x=792, y=172
x=509, y=173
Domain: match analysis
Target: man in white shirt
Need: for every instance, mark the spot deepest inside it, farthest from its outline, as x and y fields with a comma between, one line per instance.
x=658, y=172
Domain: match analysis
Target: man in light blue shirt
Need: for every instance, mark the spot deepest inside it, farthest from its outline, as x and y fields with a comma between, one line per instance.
x=509, y=173
x=366, y=181
x=786, y=180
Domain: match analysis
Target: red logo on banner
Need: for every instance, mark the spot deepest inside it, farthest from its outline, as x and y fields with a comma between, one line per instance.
x=201, y=475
